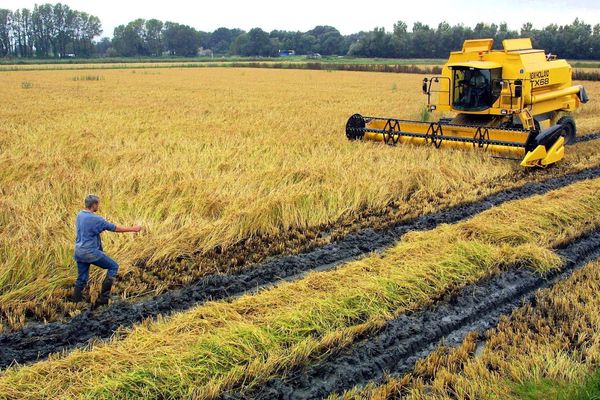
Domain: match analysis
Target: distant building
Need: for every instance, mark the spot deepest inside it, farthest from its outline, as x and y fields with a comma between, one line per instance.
x=202, y=52
x=287, y=53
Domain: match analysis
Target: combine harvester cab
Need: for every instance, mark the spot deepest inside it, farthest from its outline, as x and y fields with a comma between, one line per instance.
x=513, y=102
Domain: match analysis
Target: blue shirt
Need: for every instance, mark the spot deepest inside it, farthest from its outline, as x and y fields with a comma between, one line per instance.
x=89, y=226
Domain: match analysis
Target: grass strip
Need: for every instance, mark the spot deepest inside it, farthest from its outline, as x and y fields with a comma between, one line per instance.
x=543, y=388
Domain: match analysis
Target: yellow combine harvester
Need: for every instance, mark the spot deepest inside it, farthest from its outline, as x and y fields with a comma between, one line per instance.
x=515, y=101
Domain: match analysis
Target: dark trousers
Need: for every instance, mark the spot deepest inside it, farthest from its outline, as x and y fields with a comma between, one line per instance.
x=104, y=262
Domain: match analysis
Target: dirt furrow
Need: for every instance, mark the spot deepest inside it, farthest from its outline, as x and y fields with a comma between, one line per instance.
x=402, y=341
x=38, y=341
x=587, y=138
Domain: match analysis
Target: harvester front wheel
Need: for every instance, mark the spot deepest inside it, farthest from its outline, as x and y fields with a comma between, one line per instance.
x=569, y=129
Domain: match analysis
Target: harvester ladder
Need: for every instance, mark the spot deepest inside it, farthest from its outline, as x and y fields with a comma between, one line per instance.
x=527, y=119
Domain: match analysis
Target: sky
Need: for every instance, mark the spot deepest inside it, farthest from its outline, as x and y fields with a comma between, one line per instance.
x=348, y=16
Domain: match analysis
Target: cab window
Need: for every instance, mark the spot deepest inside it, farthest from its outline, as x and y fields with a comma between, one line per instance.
x=475, y=89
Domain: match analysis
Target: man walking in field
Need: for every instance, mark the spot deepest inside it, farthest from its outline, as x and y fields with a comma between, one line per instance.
x=88, y=249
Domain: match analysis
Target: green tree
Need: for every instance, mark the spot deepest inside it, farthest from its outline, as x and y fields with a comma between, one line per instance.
x=181, y=40
x=328, y=40
x=220, y=40
x=423, y=41
x=259, y=44
x=103, y=47
x=5, y=32
x=527, y=29
x=130, y=40
x=43, y=29
x=400, y=39
x=255, y=43
x=595, y=43
x=377, y=43
x=153, y=36
x=86, y=28
x=239, y=44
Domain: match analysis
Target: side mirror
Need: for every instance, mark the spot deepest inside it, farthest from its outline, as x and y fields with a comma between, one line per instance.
x=518, y=88
x=425, y=86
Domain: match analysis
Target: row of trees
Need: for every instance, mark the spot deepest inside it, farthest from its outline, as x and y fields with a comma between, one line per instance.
x=57, y=30
x=154, y=38
x=325, y=40
x=575, y=41
x=47, y=31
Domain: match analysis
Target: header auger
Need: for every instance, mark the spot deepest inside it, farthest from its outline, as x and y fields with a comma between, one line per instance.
x=513, y=102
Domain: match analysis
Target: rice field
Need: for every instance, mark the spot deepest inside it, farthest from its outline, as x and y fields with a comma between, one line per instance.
x=201, y=158
x=204, y=159
x=229, y=168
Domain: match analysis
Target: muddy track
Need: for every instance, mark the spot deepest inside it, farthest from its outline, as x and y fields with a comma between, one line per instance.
x=401, y=342
x=587, y=138
x=36, y=342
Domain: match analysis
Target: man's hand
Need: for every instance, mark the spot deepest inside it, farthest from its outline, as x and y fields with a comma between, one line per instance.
x=123, y=229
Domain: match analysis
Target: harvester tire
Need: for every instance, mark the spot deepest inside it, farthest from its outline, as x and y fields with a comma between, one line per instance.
x=569, y=129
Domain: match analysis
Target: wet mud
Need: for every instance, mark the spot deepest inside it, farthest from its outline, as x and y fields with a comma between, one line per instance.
x=395, y=349
x=587, y=138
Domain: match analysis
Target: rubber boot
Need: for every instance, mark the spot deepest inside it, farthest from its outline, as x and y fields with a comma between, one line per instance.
x=77, y=295
x=104, y=292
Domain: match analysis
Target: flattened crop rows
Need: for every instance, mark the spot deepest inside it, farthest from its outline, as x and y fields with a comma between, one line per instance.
x=38, y=341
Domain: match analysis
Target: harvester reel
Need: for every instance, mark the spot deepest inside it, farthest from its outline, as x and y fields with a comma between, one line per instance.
x=482, y=137
x=435, y=135
x=392, y=127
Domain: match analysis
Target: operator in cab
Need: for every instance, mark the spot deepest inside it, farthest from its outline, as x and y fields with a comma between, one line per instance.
x=476, y=87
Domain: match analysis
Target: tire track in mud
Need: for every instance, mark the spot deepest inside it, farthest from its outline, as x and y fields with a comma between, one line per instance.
x=587, y=138
x=401, y=342
x=37, y=341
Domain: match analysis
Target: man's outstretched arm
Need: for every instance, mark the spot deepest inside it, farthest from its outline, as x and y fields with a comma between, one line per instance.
x=123, y=229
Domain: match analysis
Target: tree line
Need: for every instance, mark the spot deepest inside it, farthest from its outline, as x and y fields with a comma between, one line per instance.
x=49, y=30
x=153, y=38
x=574, y=41
x=55, y=30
